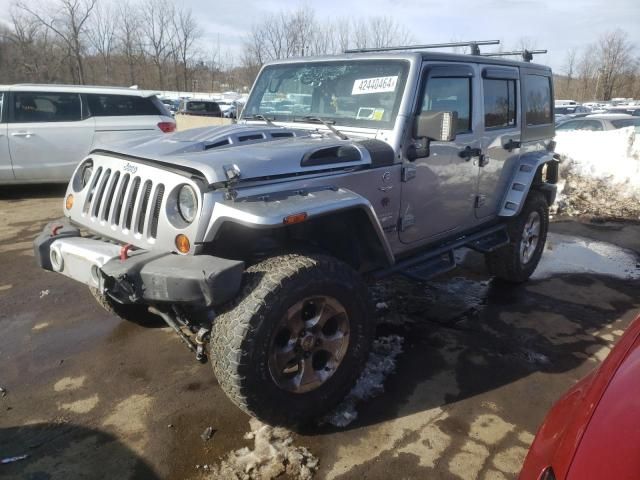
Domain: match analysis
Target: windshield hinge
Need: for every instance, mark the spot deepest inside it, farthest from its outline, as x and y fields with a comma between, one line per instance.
x=409, y=172
x=407, y=221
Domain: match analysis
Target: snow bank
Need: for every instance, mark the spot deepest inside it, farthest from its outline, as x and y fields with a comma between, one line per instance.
x=600, y=173
x=272, y=456
x=370, y=384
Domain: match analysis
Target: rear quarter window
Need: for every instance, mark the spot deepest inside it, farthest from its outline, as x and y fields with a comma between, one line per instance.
x=537, y=93
x=103, y=105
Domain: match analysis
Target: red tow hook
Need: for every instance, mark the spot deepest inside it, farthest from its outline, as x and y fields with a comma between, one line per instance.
x=124, y=252
x=56, y=229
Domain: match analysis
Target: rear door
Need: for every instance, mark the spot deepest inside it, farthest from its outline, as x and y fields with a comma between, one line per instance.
x=6, y=169
x=500, y=137
x=123, y=117
x=48, y=135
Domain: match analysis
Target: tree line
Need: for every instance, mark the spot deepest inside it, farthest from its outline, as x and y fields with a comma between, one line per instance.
x=160, y=44
x=605, y=69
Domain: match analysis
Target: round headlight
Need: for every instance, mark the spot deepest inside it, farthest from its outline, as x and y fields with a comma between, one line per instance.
x=187, y=203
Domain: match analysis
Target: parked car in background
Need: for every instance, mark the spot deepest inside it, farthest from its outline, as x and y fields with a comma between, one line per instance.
x=575, y=110
x=171, y=105
x=228, y=108
x=45, y=130
x=593, y=431
x=600, y=122
x=204, y=108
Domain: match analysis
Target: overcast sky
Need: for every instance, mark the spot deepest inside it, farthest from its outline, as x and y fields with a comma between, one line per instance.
x=556, y=25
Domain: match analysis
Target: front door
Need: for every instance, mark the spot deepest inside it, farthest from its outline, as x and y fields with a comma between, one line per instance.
x=439, y=199
x=48, y=136
x=6, y=170
x=501, y=137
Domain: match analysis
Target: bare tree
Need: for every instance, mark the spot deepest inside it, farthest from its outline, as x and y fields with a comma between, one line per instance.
x=615, y=61
x=102, y=35
x=186, y=34
x=129, y=37
x=587, y=70
x=67, y=19
x=156, y=20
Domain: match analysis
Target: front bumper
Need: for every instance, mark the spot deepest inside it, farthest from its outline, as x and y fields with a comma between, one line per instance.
x=144, y=277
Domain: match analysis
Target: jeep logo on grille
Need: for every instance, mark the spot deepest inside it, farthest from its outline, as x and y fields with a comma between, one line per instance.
x=130, y=168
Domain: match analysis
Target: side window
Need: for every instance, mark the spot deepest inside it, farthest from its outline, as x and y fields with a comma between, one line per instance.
x=46, y=107
x=499, y=103
x=452, y=94
x=1, y=107
x=591, y=125
x=538, y=98
x=104, y=105
x=568, y=126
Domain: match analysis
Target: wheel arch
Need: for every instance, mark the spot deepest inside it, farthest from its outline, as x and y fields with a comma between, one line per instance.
x=535, y=170
x=338, y=222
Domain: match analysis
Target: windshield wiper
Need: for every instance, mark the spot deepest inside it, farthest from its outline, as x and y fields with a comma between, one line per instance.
x=257, y=116
x=312, y=119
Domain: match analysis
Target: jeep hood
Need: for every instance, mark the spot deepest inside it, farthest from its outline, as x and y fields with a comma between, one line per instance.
x=254, y=152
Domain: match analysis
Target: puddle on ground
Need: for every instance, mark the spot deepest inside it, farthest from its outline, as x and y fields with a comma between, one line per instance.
x=569, y=254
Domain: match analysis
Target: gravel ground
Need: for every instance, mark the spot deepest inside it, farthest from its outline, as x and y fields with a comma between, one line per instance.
x=89, y=396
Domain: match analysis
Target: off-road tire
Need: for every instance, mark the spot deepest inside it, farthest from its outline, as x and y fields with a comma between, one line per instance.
x=505, y=263
x=131, y=313
x=241, y=336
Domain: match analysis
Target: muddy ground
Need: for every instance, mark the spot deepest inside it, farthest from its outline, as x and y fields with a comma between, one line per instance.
x=90, y=396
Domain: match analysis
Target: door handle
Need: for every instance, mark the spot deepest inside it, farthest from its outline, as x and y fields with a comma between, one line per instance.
x=468, y=153
x=511, y=144
x=22, y=134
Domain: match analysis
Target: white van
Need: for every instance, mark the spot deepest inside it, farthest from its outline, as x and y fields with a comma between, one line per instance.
x=45, y=130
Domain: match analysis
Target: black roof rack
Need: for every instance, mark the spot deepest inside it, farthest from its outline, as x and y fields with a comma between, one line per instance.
x=475, y=50
x=527, y=55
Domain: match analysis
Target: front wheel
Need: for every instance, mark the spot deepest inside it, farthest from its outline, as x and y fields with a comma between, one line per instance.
x=294, y=343
x=517, y=261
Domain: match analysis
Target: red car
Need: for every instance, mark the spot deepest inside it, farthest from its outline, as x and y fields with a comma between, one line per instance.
x=593, y=431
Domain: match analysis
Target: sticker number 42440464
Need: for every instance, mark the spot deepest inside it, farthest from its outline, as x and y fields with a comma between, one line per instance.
x=374, y=85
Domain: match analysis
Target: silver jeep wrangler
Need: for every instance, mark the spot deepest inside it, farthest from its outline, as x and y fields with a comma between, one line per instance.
x=255, y=241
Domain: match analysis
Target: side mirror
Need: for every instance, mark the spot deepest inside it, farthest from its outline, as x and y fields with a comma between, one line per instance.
x=438, y=126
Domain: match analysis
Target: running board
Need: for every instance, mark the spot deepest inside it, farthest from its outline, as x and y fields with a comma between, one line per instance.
x=431, y=268
x=441, y=259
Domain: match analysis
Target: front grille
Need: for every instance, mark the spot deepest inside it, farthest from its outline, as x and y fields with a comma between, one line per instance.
x=124, y=201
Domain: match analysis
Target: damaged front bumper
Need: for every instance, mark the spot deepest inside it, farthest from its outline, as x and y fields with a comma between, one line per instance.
x=145, y=277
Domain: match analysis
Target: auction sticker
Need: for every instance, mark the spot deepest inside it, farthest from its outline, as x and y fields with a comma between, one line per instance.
x=374, y=85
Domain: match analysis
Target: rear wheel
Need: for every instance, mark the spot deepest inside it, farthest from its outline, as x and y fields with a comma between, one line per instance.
x=517, y=261
x=296, y=340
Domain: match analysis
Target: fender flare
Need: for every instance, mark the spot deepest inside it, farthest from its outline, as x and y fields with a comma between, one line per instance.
x=269, y=212
x=523, y=179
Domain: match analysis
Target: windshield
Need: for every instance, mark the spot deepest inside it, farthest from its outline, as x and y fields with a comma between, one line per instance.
x=364, y=93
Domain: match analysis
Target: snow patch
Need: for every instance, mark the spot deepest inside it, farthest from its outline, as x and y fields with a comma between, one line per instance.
x=381, y=363
x=273, y=455
x=600, y=173
x=569, y=254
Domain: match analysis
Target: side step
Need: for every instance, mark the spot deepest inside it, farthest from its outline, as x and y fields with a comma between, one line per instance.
x=431, y=268
x=441, y=259
x=490, y=243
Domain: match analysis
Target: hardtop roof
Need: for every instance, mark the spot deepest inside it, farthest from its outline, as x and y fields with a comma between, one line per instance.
x=417, y=56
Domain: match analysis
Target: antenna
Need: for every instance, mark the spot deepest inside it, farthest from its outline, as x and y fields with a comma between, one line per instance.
x=527, y=55
x=475, y=50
